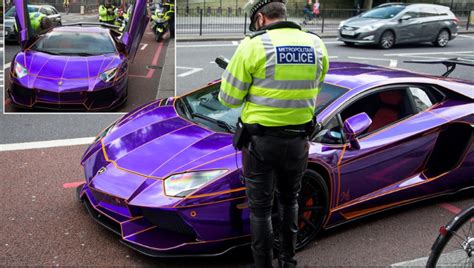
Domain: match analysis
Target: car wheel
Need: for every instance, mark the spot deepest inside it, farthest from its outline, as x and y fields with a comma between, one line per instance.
x=387, y=40
x=313, y=202
x=442, y=38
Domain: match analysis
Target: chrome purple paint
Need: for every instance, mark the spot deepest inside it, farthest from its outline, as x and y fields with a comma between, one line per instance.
x=125, y=175
x=73, y=82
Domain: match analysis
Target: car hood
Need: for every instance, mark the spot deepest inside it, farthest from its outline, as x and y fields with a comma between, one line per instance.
x=154, y=143
x=361, y=22
x=59, y=73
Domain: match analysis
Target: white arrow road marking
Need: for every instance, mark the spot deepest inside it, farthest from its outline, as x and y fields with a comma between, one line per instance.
x=190, y=72
x=143, y=46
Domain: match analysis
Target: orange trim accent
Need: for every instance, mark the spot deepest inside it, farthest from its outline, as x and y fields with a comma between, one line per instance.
x=139, y=232
x=339, y=173
x=218, y=193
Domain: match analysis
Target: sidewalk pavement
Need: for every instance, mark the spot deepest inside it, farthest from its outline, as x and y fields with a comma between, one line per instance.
x=166, y=86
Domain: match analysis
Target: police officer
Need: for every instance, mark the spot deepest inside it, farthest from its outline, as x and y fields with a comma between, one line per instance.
x=107, y=12
x=275, y=74
x=39, y=23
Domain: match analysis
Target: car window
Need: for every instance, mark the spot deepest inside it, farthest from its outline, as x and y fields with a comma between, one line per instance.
x=53, y=11
x=428, y=12
x=421, y=98
x=331, y=133
x=383, y=12
x=414, y=13
x=384, y=108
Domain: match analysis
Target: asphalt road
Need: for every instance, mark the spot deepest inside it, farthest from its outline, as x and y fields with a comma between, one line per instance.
x=43, y=224
x=195, y=65
x=144, y=73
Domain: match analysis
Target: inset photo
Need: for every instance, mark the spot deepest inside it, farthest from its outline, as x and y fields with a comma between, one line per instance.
x=87, y=56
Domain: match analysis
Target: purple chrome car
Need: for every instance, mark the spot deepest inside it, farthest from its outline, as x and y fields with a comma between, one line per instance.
x=83, y=66
x=166, y=178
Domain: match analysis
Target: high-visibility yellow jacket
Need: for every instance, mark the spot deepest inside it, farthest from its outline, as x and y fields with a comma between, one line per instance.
x=104, y=16
x=276, y=75
x=35, y=22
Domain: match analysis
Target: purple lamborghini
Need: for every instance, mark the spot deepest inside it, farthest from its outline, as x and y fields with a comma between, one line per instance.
x=82, y=66
x=166, y=178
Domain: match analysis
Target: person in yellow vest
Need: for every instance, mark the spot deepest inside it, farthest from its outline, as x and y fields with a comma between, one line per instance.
x=107, y=12
x=39, y=23
x=275, y=74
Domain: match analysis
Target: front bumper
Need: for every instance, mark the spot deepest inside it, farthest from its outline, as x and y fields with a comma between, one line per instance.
x=360, y=37
x=105, y=99
x=155, y=239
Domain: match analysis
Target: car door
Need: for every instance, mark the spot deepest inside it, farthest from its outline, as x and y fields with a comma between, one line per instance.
x=135, y=28
x=429, y=23
x=409, y=29
x=22, y=19
x=393, y=151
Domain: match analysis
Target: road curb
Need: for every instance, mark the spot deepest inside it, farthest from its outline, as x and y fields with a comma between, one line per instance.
x=166, y=86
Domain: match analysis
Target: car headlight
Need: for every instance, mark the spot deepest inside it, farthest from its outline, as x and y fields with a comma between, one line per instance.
x=108, y=75
x=370, y=28
x=341, y=24
x=20, y=71
x=180, y=185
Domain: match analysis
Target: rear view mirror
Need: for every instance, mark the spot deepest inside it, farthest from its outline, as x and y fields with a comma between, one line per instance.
x=355, y=125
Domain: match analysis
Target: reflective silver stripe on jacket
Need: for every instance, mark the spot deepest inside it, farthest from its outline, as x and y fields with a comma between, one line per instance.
x=271, y=83
x=285, y=84
x=229, y=99
x=279, y=103
x=235, y=82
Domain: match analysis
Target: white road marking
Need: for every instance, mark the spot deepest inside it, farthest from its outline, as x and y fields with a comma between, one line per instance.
x=190, y=72
x=466, y=36
x=7, y=65
x=429, y=53
x=333, y=57
x=235, y=43
x=393, y=63
x=363, y=58
x=45, y=144
x=208, y=45
x=143, y=46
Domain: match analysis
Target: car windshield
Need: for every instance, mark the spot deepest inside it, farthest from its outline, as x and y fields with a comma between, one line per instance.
x=203, y=107
x=75, y=43
x=12, y=11
x=383, y=12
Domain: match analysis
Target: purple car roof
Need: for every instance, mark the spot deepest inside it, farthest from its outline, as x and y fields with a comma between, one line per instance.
x=356, y=76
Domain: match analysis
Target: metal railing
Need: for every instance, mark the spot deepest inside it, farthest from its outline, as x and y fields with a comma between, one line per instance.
x=234, y=21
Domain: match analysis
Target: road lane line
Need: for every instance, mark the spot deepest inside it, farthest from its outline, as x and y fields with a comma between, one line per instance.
x=450, y=208
x=155, y=60
x=393, y=63
x=364, y=58
x=73, y=184
x=143, y=46
x=466, y=36
x=7, y=65
x=45, y=144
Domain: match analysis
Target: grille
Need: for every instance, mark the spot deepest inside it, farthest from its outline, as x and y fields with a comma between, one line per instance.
x=168, y=220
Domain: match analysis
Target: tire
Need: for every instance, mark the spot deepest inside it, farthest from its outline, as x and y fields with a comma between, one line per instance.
x=442, y=38
x=458, y=232
x=387, y=40
x=313, y=204
x=157, y=37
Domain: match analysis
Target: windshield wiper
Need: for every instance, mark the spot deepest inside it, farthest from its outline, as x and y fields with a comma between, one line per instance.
x=48, y=52
x=220, y=123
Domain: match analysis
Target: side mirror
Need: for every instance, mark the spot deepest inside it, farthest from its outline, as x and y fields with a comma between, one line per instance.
x=355, y=125
x=405, y=17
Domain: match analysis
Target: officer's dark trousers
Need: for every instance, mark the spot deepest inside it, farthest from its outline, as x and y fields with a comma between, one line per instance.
x=274, y=162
